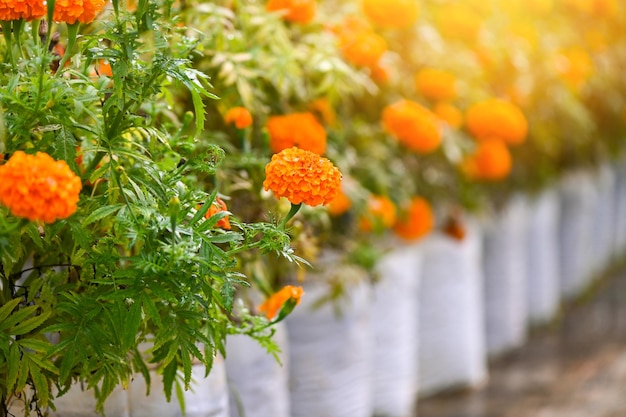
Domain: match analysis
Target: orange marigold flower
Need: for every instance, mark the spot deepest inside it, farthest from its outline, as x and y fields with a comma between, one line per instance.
x=22, y=9
x=72, y=11
x=435, y=84
x=363, y=49
x=391, y=13
x=380, y=214
x=324, y=110
x=574, y=66
x=414, y=125
x=275, y=302
x=297, y=129
x=449, y=114
x=302, y=176
x=239, y=116
x=496, y=118
x=298, y=11
x=37, y=187
x=459, y=21
x=418, y=221
x=218, y=206
x=340, y=204
x=490, y=161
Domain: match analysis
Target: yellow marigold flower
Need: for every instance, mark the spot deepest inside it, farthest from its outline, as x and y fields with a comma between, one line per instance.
x=297, y=129
x=302, y=176
x=340, y=204
x=239, y=116
x=37, y=187
x=417, y=222
x=72, y=11
x=391, y=13
x=490, y=161
x=449, y=114
x=574, y=66
x=380, y=214
x=22, y=9
x=414, y=125
x=218, y=206
x=274, y=303
x=435, y=84
x=496, y=118
x=459, y=21
x=298, y=11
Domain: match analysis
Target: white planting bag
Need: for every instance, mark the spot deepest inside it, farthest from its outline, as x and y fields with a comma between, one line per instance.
x=620, y=210
x=451, y=333
x=603, y=224
x=257, y=382
x=504, y=263
x=543, y=291
x=575, y=233
x=330, y=352
x=395, y=330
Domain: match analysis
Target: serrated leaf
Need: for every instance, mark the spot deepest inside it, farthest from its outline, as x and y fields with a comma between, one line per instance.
x=101, y=213
x=228, y=295
x=6, y=309
x=169, y=375
x=17, y=317
x=14, y=363
x=204, y=208
x=30, y=324
x=131, y=325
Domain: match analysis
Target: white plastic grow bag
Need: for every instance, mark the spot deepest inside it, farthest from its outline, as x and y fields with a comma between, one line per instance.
x=603, y=224
x=619, y=237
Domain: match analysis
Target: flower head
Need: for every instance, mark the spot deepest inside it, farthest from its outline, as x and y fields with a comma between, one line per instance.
x=490, y=161
x=72, y=11
x=239, y=116
x=435, y=84
x=37, y=187
x=22, y=9
x=449, y=114
x=414, y=125
x=274, y=303
x=359, y=44
x=219, y=206
x=340, y=204
x=298, y=11
x=297, y=129
x=417, y=222
x=380, y=214
x=497, y=118
x=459, y=21
x=391, y=13
x=302, y=176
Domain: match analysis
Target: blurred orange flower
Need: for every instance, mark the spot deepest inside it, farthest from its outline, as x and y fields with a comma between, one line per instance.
x=22, y=9
x=298, y=11
x=496, y=118
x=574, y=66
x=435, y=84
x=324, y=110
x=37, y=187
x=362, y=49
x=239, y=116
x=380, y=214
x=302, y=176
x=218, y=206
x=275, y=302
x=391, y=13
x=72, y=11
x=413, y=125
x=297, y=129
x=458, y=21
x=490, y=161
x=417, y=222
x=449, y=114
x=340, y=204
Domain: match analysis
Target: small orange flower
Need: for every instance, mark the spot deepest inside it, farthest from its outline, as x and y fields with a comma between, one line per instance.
x=391, y=13
x=298, y=11
x=449, y=114
x=324, y=110
x=37, y=187
x=418, y=222
x=459, y=21
x=218, y=206
x=302, y=176
x=497, y=118
x=363, y=49
x=340, y=204
x=239, y=116
x=435, y=84
x=380, y=214
x=297, y=129
x=72, y=11
x=491, y=161
x=275, y=302
x=413, y=125
x=22, y=9
x=574, y=66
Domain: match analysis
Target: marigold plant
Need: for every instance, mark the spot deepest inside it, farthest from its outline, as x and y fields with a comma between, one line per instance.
x=239, y=116
x=496, y=118
x=39, y=188
x=297, y=129
x=275, y=302
x=490, y=161
x=298, y=11
x=417, y=221
x=302, y=176
x=414, y=125
x=380, y=214
x=391, y=13
x=436, y=85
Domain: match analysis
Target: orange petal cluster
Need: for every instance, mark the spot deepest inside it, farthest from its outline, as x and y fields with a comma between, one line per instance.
x=396, y=14
x=418, y=222
x=37, y=187
x=239, y=116
x=72, y=11
x=297, y=129
x=380, y=214
x=298, y=11
x=274, y=303
x=359, y=44
x=219, y=206
x=414, y=125
x=496, y=118
x=22, y=9
x=435, y=84
x=340, y=204
x=491, y=161
x=302, y=176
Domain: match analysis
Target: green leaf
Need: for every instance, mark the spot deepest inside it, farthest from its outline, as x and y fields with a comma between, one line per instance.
x=228, y=295
x=6, y=309
x=14, y=364
x=30, y=324
x=101, y=213
x=17, y=317
x=65, y=148
x=169, y=375
x=40, y=382
x=131, y=326
x=204, y=208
